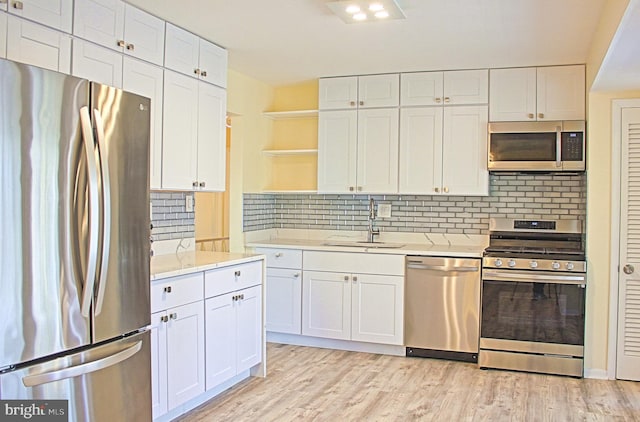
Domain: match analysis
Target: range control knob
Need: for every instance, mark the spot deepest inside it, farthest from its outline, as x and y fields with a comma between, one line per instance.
x=569, y=266
x=555, y=265
x=533, y=264
x=512, y=263
x=497, y=262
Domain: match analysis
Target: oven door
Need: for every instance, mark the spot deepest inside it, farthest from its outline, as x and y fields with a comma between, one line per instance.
x=533, y=311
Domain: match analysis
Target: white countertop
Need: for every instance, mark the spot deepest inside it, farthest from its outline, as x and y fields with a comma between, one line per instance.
x=170, y=265
x=412, y=243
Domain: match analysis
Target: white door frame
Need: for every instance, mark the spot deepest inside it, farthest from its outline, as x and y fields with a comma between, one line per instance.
x=616, y=150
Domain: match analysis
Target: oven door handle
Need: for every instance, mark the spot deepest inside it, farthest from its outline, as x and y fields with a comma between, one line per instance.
x=442, y=268
x=533, y=278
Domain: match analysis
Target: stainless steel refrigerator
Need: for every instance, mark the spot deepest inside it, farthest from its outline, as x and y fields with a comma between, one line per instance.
x=74, y=237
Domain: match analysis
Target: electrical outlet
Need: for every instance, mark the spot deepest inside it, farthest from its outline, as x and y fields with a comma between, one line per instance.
x=384, y=210
x=188, y=203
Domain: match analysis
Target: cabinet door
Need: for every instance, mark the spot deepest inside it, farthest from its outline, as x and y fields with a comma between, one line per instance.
x=143, y=35
x=248, y=328
x=420, y=164
x=212, y=147
x=158, y=364
x=284, y=301
x=466, y=87
x=377, y=168
x=100, y=21
x=326, y=305
x=182, y=50
x=464, y=151
x=421, y=88
x=96, y=63
x=377, y=304
x=147, y=80
x=512, y=94
x=53, y=13
x=37, y=45
x=337, y=151
x=3, y=35
x=185, y=353
x=379, y=91
x=338, y=93
x=213, y=63
x=180, y=131
x=561, y=93
x=220, y=339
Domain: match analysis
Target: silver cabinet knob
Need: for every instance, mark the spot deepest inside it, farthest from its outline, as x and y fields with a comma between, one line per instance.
x=278, y=254
x=446, y=189
x=121, y=43
x=203, y=73
x=359, y=188
x=628, y=269
x=531, y=115
x=195, y=184
x=237, y=273
x=447, y=99
x=296, y=275
x=167, y=289
x=351, y=188
x=361, y=103
x=438, y=99
x=437, y=190
x=173, y=316
x=18, y=5
x=130, y=47
x=540, y=115
x=346, y=278
x=203, y=184
x=164, y=318
x=352, y=103
x=355, y=279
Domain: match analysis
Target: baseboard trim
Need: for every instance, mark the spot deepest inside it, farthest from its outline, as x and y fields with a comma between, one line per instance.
x=598, y=374
x=327, y=343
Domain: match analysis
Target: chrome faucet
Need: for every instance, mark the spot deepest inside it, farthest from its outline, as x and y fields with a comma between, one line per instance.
x=372, y=233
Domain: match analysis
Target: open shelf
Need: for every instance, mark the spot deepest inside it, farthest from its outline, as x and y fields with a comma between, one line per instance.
x=279, y=152
x=293, y=114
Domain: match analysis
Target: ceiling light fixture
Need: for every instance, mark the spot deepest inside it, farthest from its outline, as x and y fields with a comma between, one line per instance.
x=355, y=11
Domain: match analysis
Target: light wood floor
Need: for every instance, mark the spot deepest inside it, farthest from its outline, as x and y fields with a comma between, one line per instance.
x=306, y=383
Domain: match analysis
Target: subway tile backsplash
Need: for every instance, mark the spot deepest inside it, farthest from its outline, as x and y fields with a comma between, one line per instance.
x=169, y=217
x=511, y=195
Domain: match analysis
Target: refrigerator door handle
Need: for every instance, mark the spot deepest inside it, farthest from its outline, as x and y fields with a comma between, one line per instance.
x=82, y=369
x=89, y=148
x=106, y=209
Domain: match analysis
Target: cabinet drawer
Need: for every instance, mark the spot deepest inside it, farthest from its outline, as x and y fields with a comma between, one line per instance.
x=282, y=258
x=229, y=279
x=176, y=291
x=363, y=263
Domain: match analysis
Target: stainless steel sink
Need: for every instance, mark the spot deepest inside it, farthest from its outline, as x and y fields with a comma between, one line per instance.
x=362, y=244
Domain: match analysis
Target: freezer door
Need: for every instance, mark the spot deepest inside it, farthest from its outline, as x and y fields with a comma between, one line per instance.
x=44, y=197
x=106, y=383
x=122, y=126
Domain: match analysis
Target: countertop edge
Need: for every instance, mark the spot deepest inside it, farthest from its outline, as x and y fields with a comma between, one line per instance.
x=217, y=262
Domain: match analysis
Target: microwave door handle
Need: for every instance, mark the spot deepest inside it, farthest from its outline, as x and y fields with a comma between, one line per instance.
x=558, y=146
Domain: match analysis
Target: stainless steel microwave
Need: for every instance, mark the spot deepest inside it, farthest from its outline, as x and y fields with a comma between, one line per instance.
x=537, y=146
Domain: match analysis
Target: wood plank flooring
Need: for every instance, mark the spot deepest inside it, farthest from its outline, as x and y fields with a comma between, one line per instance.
x=306, y=383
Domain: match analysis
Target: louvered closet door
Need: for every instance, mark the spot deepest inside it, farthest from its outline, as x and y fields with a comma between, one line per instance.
x=628, y=359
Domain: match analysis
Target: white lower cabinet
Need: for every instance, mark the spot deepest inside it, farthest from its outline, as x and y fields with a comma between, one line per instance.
x=177, y=349
x=233, y=322
x=366, y=304
x=284, y=300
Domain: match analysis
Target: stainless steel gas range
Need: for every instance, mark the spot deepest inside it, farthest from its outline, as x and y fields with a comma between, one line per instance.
x=533, y=297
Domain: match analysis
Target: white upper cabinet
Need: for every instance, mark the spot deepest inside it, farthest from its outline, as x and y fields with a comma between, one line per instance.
x=96, y=63
x=38, y=45
x=53, y=13
x=120, y=27
x=371, y=91
x=543, y=93
x=443, y=151
x=457, y=87
x=147, y=80
x=337, y=150
x=561, y=93
x=187, y=53
x=194, y=141
x=3, y=35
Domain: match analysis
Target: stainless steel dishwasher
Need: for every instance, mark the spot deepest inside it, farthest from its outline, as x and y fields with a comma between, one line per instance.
x=442, y=307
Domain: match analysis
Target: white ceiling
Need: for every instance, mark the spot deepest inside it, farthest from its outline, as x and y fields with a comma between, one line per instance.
x=282, y=42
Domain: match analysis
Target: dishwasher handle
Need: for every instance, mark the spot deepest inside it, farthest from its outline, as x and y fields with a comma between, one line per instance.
x=444, y=268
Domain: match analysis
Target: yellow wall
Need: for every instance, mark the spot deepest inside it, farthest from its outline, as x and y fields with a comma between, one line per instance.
x=247, y=98
x=598, y=227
